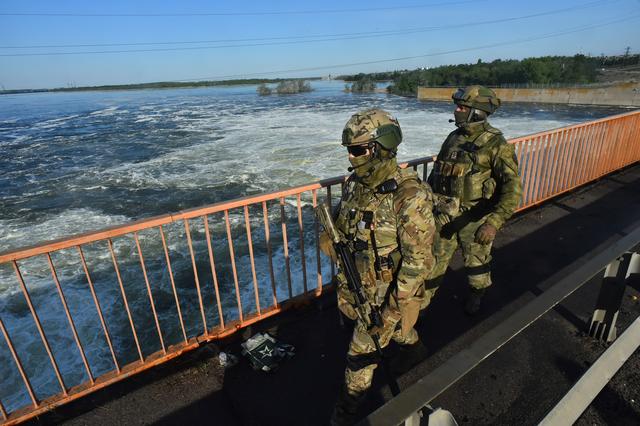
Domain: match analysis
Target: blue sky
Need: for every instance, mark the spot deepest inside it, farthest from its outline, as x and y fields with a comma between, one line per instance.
x=353, y=33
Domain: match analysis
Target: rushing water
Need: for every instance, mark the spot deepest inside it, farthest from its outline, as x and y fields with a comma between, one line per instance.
x=73, y=162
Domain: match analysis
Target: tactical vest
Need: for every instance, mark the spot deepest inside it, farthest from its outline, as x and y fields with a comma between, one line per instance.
x=463, y=168
x=367, y=221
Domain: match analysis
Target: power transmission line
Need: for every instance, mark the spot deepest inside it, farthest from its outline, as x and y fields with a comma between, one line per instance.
x=427, y=55
x=241, y=45
x=379, y=33
x=263, y=13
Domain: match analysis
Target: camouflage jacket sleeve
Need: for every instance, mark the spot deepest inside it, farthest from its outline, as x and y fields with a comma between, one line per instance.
x=504, y=166
x=415, y=228
x=439, y=156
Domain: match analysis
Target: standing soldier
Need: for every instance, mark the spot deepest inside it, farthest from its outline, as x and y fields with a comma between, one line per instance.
x=385, y=218
x=477, y=187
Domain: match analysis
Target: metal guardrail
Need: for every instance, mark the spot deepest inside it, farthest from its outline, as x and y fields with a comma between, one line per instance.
x=129, y=316
x=557, y=161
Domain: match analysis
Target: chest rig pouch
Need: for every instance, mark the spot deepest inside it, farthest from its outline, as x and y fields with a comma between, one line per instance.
x=465, y=172
x=358, y=222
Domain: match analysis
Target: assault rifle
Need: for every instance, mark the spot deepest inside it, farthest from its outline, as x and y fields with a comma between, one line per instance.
x=368, y=313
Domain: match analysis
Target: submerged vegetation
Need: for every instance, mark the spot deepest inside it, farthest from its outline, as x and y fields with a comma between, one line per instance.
x=285, y=87
x=577, y=69
x=293, y=86
x=263, y=90
x=363, y=84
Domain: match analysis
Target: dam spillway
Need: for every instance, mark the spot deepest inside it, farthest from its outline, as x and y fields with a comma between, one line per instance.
x=552, y=163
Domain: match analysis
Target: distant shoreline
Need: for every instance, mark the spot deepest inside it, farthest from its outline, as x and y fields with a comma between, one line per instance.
x=156, y=85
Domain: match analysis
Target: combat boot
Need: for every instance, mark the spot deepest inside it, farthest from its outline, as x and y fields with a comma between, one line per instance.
x=474, y=300
x=346, y=409
x=407, y=357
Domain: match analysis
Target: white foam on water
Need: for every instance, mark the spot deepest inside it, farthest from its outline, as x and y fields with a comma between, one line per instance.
x=281, y=146
x=105, y=111
x=17, y=232
x=55, y=122
x=147, y=119
x=229, y=145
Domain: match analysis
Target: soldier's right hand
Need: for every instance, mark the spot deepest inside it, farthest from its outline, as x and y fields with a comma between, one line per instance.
x=442, y=219
x=326, y=245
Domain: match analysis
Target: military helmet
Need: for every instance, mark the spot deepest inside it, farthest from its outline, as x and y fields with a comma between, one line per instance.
x=372, y=125
x=478, y=97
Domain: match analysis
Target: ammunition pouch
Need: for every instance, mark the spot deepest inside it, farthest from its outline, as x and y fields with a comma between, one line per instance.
x=450, y=176
x=387, y=266
x=459, y=180
x=384, y=268
x=478, y=185
x=361, y=260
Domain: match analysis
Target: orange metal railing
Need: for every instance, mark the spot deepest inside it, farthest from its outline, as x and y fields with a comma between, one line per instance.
x=557, y=161
x=551, y=163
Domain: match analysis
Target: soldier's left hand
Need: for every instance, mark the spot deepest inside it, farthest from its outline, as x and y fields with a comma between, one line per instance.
x=441, y=219
x=486, y=233
x=389, y=318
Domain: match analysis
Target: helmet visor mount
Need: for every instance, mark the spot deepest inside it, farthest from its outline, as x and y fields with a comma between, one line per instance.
x=459, y=96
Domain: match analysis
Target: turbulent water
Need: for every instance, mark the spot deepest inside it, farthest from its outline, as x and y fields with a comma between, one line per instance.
x=73, y=162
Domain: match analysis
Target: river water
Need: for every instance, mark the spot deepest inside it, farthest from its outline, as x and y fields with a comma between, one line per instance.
x=80, y=161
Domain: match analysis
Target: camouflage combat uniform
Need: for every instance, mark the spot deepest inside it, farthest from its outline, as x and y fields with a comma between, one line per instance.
x=476, y=171
x=385, y=216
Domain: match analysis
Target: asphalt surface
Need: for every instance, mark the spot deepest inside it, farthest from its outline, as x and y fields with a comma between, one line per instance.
x=517, y=385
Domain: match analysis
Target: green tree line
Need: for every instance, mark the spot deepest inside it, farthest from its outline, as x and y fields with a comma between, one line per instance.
x=577, y=69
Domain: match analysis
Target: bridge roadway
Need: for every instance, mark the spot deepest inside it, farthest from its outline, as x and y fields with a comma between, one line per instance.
x=517, y=385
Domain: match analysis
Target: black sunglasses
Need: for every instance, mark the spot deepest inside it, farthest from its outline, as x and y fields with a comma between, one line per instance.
x=358, y=150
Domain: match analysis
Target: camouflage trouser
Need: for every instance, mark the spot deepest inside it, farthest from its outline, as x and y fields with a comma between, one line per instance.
x=477, y=257
x=362, y=360
x=362, y=356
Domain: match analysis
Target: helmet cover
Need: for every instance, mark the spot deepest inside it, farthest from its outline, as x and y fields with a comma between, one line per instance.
x=478, y=97
x=372, y=125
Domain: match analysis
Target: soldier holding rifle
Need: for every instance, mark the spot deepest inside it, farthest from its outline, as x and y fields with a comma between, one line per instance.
x=383, y=234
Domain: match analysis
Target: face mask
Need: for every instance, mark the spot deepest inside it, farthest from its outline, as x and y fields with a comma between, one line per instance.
x=461, y=117
x=359, y=164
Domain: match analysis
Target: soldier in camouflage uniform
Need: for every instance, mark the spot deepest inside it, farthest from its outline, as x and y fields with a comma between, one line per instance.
x=385, y=216
x=477, y=188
